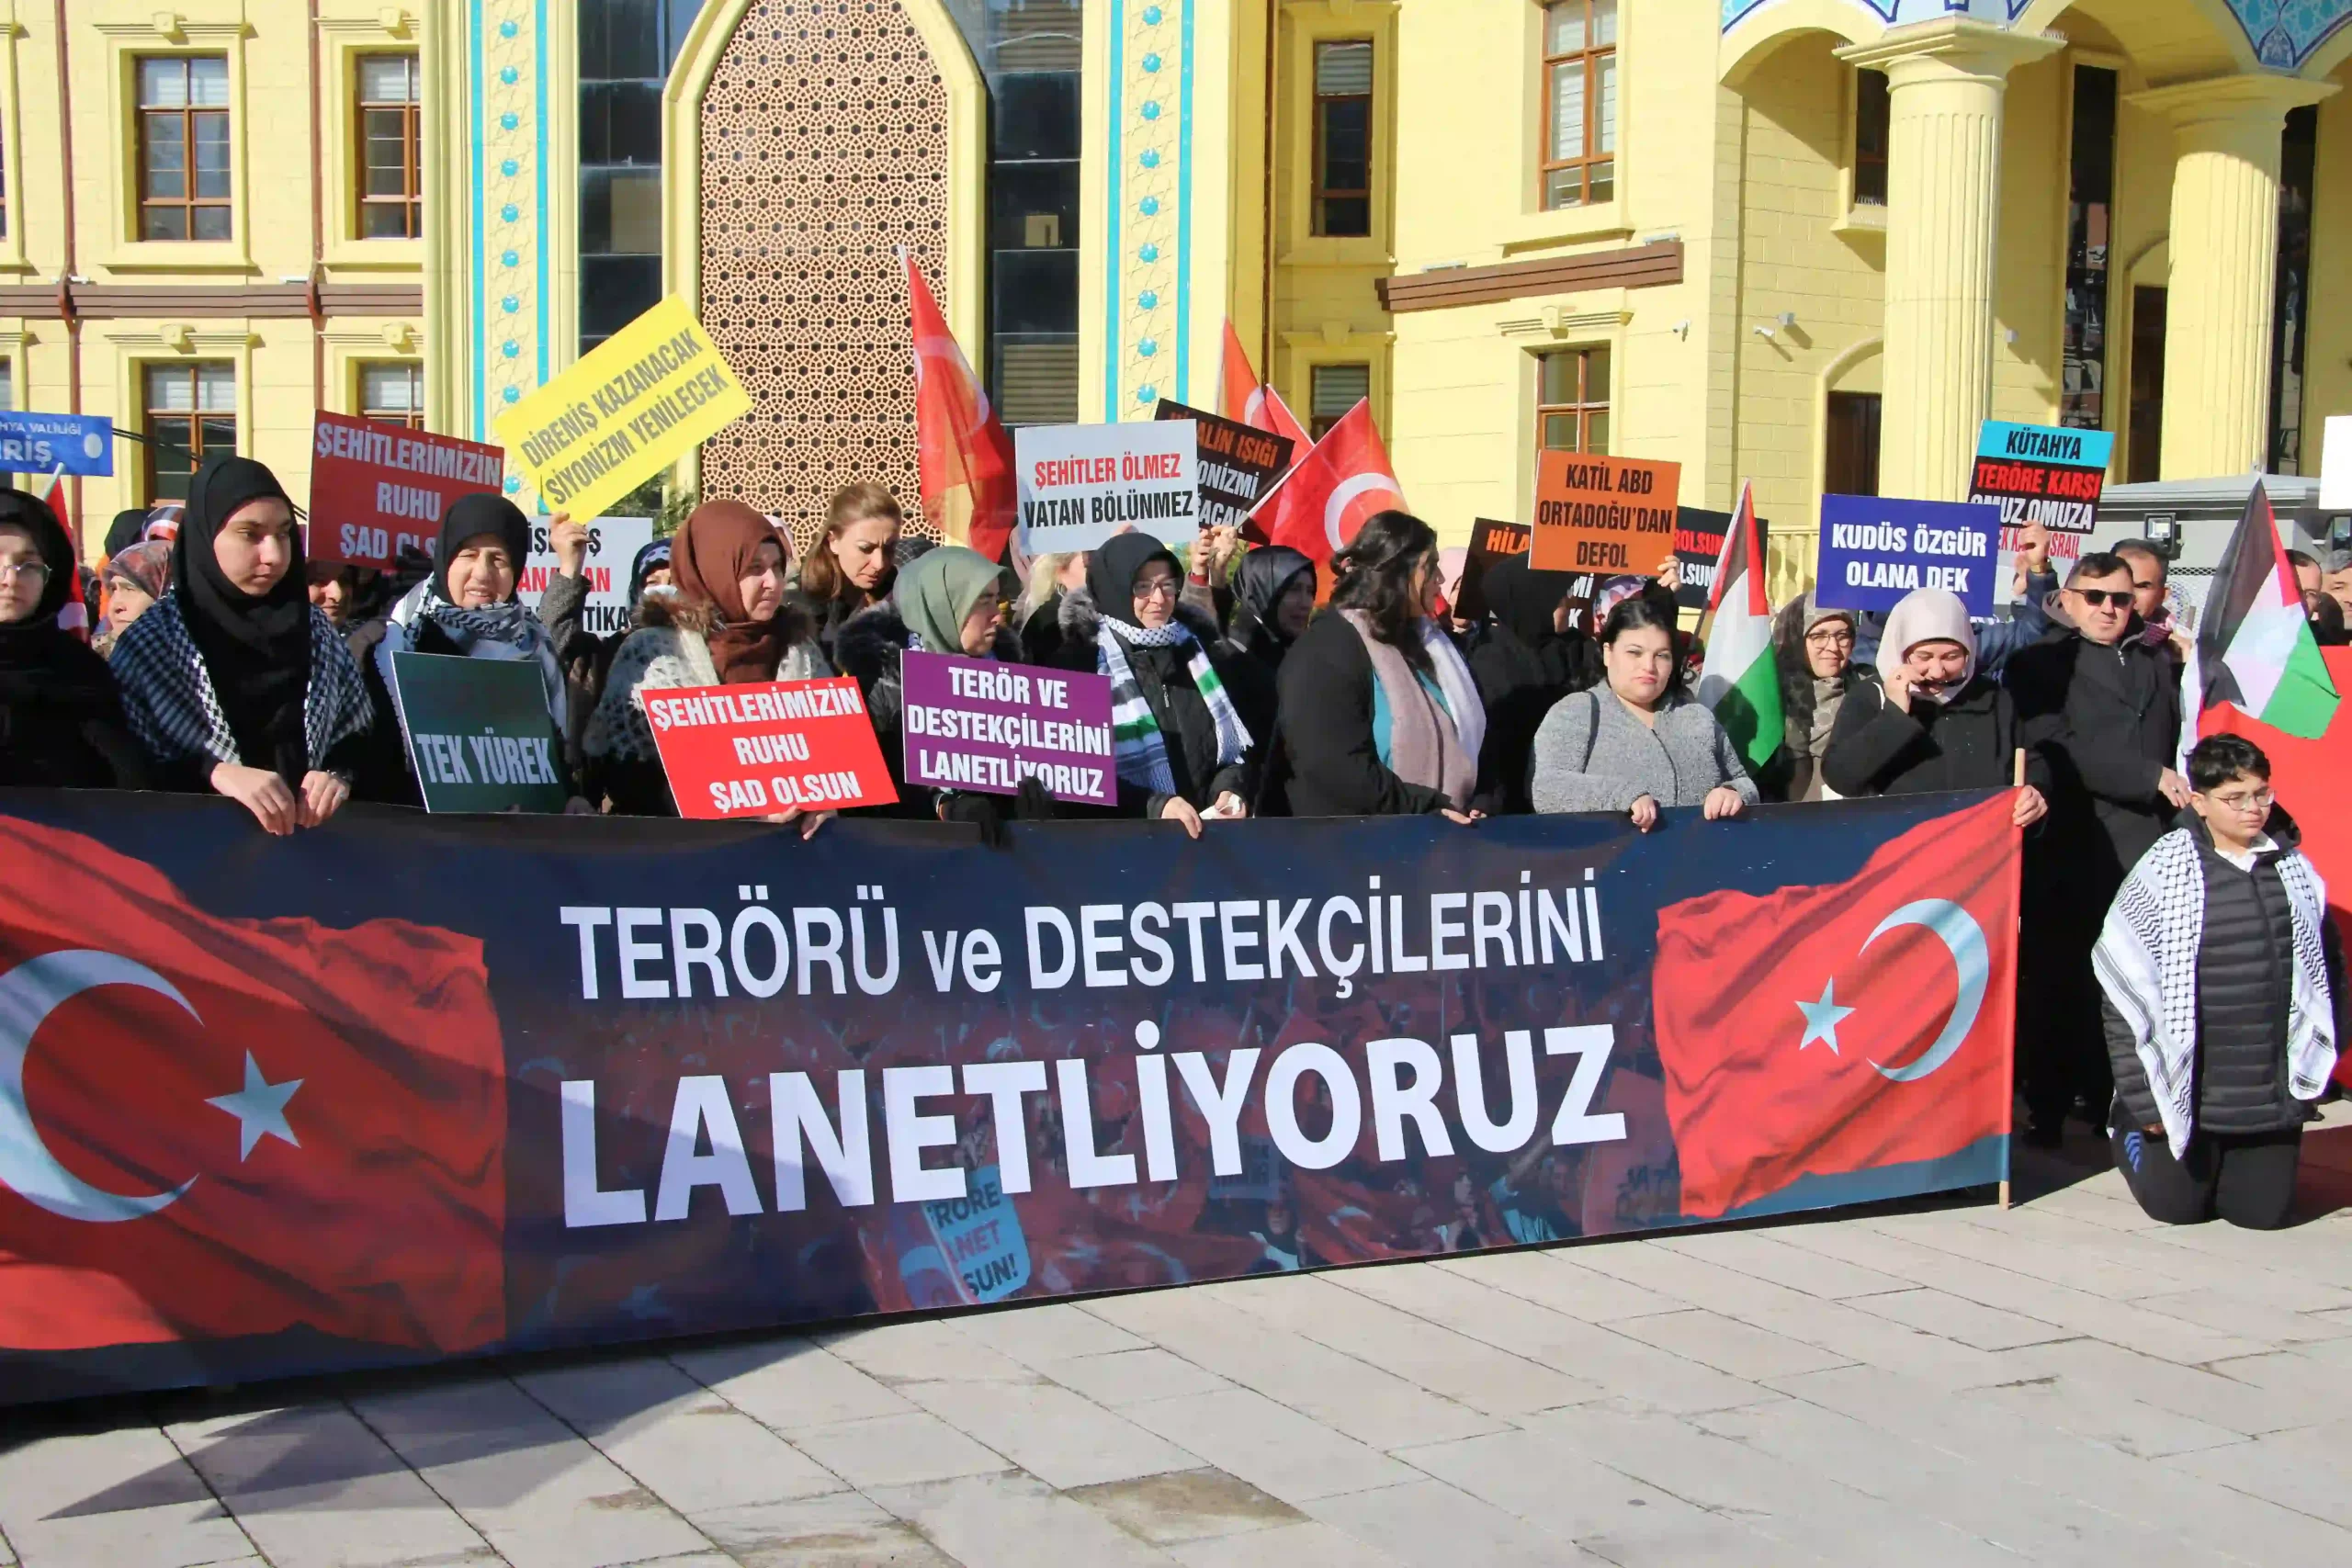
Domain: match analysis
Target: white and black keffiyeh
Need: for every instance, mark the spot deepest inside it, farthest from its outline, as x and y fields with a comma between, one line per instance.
x=1139, y=752
x=2146, y=962
x=168, y=696
x=512, y=631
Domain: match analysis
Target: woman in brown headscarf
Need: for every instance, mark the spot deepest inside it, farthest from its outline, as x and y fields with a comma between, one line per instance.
x=730, y=624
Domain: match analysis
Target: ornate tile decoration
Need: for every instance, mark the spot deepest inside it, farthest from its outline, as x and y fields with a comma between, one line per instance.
x=1147, y=216
x=506, y=60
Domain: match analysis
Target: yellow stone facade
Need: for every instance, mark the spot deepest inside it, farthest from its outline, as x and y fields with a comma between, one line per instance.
x=261, y=326
x=1740, y=288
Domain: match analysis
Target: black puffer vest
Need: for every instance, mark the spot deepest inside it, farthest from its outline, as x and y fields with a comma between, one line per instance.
x=2245, y=968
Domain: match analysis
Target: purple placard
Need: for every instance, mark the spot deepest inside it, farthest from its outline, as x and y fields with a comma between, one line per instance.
x=974, y=724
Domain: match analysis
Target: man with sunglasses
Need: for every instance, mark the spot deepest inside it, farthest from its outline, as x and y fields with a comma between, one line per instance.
x=2102, y=708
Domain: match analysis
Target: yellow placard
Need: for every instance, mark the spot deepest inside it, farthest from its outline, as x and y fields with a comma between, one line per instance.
x=648, y=393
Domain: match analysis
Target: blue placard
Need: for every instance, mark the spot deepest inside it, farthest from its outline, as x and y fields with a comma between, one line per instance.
x=46, y=443
x=2054, y=444
x=1873, y=551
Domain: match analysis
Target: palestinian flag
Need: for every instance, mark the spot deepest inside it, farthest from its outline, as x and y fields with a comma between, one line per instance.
x=2254, y=648
x=1740, y=679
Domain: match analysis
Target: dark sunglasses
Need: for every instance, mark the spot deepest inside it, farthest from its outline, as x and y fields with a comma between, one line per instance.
x=2119, y=597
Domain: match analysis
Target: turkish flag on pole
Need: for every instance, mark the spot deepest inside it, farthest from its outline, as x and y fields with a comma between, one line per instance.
x=965, y=456
x=212, y=1128
x=1827, y=1030
x=1236, y=380
x=1328, y=493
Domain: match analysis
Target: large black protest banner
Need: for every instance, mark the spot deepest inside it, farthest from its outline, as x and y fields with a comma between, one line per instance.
x=410, y=1087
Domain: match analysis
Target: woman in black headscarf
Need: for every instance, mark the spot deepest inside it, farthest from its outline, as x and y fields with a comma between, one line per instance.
x=1527, y=657
x=233, y=682
x=1273, y=602
x=1180, y=749
x=467, y=609
x=60, y=719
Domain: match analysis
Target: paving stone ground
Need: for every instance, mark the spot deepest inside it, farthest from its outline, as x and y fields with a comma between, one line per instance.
x=2061, y=1383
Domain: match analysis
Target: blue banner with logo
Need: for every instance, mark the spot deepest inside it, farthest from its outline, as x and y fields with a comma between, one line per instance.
x=407, y=1089
x=47, y=443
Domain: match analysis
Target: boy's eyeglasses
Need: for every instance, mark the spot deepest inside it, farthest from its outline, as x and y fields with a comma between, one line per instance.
x=2121, y=598
x=2260, y=800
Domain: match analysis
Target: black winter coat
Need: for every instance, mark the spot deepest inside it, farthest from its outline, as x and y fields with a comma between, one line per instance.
x=69, y=733
x=1324, y=762
x=1185, y=725
x=2246, y=963
x=2107, y=721
x=1520, y=682
x=872, y=646
x=1969, y=742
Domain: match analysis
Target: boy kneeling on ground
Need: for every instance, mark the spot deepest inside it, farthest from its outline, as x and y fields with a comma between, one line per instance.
x=2224, y=984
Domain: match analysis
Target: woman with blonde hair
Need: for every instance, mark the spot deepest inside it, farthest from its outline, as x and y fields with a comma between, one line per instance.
x=1038, y=615
x=853, y=561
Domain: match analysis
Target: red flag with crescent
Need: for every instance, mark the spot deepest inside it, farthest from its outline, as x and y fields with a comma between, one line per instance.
x=211, y=1128
x=966, y=458
x=1329, y=493
x=1821, y=1031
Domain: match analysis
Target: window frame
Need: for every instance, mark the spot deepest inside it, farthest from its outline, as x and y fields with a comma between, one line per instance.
x=410, y=202
x=413, y=419
x=1319, y=425
x=196, y=415
x=1584, y=407
x=1318, y=192
x=1858, y=160
x=1589, y=59
x=189, y=203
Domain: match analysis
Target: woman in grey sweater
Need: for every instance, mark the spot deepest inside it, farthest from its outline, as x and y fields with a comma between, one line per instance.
x=1637, y=743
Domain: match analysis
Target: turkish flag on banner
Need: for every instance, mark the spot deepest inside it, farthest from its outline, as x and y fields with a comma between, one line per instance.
x=212, y=1128
x=1827, y=1030
x=1329, y=493
x=963, y=454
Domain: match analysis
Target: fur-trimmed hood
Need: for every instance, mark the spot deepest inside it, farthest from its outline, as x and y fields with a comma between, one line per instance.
x=1081, y=620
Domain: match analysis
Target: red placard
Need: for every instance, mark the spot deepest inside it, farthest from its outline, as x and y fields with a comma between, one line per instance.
x=756, y=750
x=376, y=489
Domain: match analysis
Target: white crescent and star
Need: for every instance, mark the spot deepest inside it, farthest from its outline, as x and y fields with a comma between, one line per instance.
x=28, y=994
x=1345, y=493
x=1965, y=939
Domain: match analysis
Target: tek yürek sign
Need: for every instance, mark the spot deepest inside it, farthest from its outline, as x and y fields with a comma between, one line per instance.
x=478, y=733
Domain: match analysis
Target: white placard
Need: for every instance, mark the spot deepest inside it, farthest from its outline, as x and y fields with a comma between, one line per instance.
x=1082, y=483
x=2336, y=465
x=612, y=544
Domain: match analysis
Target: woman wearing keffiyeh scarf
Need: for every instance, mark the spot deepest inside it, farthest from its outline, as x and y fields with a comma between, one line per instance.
x=1181, y=751
x=232, y=681
x=467, y=609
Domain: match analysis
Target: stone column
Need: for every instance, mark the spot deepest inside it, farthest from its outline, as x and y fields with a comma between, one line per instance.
x=2225, y=245
x=1946, y=81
